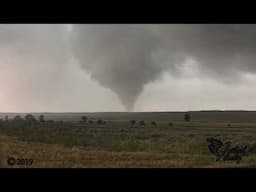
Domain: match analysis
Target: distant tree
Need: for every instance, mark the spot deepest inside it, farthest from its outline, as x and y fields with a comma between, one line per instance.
x=30, y=118
x=187, y=117
x=170, y=124
x=84, y=119
x=17, y=118
x=104, y=122
x=142, y=123
x=91, y=121
x=6, y=117
x=41, y=118
x=50, y=121
x=100, y=121
x=132, y=123
x=153, y=123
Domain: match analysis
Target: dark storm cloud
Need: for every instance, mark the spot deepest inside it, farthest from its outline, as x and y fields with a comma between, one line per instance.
x=118, y=56
x=123, y=58
x=126, y=57
x=220, y=49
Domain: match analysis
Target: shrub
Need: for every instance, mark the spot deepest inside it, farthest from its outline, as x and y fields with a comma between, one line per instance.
x=142, y=123
x=17, y=118
x=132, y=122
x=100, y=121
x=84, y=119
x=30, y=118
x=187, y=117
x=153, y=123
x=41, y=118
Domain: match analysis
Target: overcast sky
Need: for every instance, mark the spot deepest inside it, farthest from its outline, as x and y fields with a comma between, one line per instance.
x=90, y=68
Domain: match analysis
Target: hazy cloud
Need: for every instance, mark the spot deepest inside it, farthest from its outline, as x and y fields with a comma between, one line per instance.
x=127, y=57
x=40, y=64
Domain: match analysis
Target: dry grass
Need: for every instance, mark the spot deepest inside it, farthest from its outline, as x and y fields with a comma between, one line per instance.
x=58, y=156
x=49, y=155
x=77, y=145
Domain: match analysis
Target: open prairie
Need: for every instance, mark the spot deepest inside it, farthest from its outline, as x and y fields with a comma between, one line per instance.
x=156, y=139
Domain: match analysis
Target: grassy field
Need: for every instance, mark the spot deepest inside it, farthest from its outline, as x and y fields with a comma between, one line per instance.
x=117, y=144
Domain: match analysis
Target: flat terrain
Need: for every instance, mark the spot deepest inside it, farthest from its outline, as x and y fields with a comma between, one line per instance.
x=197, y=116
x=67, y=142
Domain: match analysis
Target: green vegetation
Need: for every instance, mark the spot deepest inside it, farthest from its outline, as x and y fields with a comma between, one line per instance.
x=170, y=144
x=187, y=117
x=84, y=119
x=154, y=123
x=41, y=118
x=132, y=122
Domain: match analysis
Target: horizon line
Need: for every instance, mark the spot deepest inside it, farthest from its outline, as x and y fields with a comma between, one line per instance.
x=213, y=110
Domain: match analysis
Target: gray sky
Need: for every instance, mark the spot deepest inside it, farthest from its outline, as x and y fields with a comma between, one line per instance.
x=75, y=68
